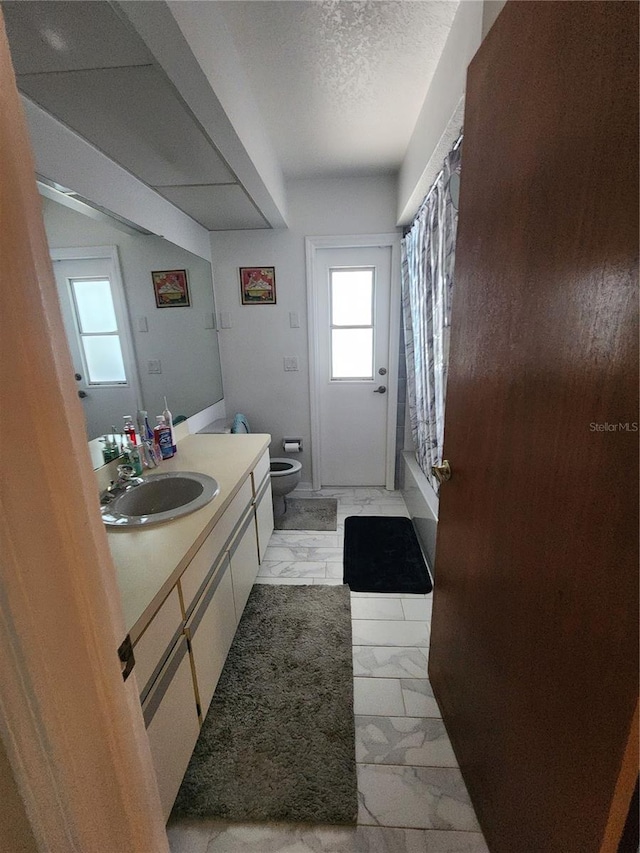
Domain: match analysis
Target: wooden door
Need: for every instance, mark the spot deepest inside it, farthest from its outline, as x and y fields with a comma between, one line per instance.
x=534, y=656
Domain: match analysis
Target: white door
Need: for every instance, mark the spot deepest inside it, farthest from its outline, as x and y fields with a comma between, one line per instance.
x=353, y=288
x=96, y=323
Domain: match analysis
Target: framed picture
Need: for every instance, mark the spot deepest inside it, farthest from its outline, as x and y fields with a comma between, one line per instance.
x=258, y=285
x=171, y=288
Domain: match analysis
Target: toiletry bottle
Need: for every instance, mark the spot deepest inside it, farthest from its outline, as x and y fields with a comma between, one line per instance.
x=144, y=430
x=146, y=452
x=106, y=450
x=129, y=429
x=135, y=459
x=163, y=437
x=169, y=421
x=114, y=451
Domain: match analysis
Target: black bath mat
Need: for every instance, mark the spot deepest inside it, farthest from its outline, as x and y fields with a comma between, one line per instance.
x=382, y=554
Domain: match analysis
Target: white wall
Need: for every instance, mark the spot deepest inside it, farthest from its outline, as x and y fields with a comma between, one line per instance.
x=252, y=351
x=442, y=109
x=188, y=351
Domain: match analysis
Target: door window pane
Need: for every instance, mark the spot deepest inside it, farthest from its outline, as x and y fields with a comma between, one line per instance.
x=352, y=297
x=103, y=356
x=94, y=305
x=352, y=353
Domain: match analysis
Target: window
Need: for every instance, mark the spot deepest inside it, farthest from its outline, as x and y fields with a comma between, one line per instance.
x=97, y=329
x=352, y=313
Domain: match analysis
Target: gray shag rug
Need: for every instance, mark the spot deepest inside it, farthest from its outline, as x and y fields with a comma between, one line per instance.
x=308, y=514
x=278, y=742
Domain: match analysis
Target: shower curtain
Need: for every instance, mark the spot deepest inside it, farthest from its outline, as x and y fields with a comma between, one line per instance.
x=428, y=252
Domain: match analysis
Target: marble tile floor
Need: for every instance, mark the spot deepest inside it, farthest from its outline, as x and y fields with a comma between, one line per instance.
x=412, y=798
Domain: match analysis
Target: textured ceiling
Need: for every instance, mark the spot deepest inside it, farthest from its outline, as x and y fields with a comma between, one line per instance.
x=340, y=83
x=333, y=87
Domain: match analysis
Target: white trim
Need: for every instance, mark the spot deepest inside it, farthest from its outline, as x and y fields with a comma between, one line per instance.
x=120, y=300
x=312, y=245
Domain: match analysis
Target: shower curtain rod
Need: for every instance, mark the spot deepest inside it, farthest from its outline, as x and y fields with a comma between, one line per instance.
x=456, y=145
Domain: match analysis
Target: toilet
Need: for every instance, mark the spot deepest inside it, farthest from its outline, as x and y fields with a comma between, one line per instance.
x=285, y=473
x=285, y=476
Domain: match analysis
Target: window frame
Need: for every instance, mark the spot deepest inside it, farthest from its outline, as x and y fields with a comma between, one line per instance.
x=82, y=335
x=333, y=326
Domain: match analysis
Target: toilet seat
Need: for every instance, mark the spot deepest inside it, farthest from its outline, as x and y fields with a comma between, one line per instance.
x=281, y=467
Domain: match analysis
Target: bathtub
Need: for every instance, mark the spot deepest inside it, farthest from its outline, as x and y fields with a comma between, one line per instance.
x=422, y=503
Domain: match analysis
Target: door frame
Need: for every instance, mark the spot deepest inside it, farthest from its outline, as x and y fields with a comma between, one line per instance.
x=358, y=241
x=110, y=253
x=77, y=746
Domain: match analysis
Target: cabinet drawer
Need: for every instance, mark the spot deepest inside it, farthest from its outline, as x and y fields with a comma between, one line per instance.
x=244, y=563
x=154, y=645
x=171, y=719
x=211, y=630
x=264, y=519
x=262, y=469
x=194, y=577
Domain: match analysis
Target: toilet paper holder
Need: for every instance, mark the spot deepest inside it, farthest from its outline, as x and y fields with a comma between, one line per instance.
x=292, y=445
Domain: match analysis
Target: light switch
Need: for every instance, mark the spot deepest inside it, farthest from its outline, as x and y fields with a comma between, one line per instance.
x=142, y=324
x=209, y=320
x=154, y=365
x=291, y=362
x=294, y=319
x=225, y=320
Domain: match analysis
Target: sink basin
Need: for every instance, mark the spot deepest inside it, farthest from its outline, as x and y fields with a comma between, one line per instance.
x=161, y=497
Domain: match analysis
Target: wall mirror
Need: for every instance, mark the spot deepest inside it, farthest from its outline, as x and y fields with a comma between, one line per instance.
x=132, y=343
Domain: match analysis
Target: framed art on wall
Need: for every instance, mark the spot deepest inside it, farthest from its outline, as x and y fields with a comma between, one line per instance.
x=171, y=288
x=258, y=285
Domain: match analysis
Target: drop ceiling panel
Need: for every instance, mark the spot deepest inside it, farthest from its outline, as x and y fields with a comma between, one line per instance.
x=221, y=208
x=134, y=116
x=64, y=36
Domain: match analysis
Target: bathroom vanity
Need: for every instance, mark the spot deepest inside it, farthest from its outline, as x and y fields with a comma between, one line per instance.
x=184, y=585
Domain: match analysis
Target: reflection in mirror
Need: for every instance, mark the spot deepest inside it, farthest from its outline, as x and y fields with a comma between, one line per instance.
x=128, y=352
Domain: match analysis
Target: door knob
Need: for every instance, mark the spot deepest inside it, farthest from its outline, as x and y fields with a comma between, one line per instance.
x=382, y=371
x=442, y=473
x=381, y=389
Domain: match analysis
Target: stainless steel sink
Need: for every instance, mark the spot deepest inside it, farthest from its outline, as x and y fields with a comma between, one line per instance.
x=161, y=497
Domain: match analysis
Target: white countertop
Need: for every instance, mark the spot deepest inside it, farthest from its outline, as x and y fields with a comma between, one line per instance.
x=150, y=560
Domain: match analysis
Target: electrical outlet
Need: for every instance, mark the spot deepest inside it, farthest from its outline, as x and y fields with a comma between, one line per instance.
x=142, y=324
x=294, y=320
x=291, y=362
x=154, y=366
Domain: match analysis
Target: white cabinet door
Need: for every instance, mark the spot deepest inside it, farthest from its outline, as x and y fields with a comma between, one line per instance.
x=172, y=723
x=244, y=563
x=152, y=648
x=211, y=629
x=264, y=519
x=194, y=577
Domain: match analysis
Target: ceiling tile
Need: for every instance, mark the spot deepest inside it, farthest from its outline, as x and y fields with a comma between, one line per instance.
x=134, y=116
x=64, y=36
x=218, y=208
